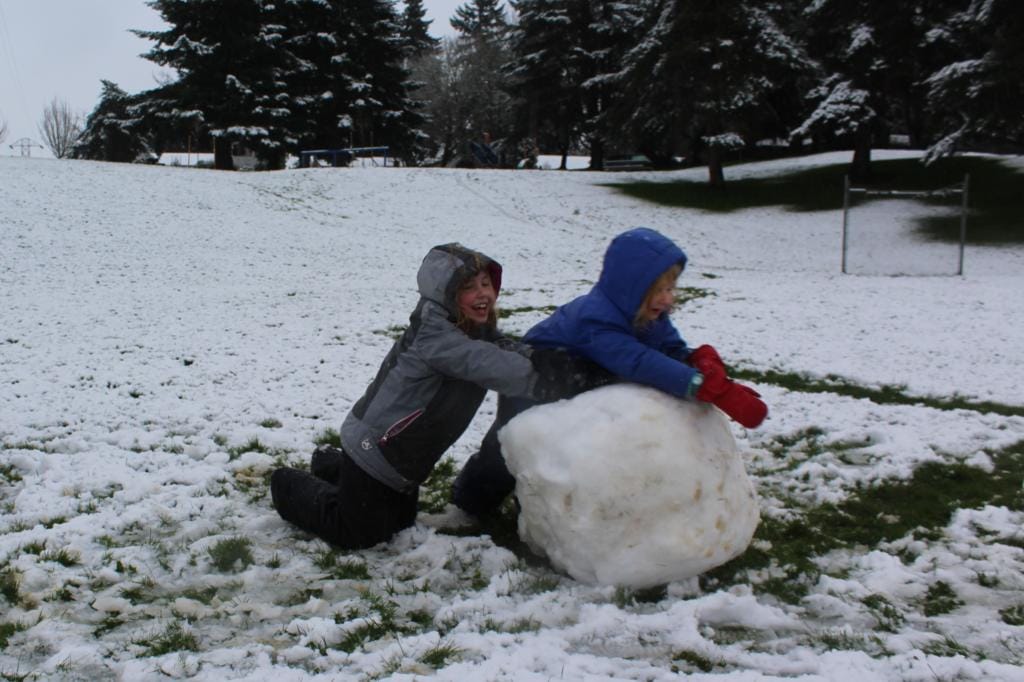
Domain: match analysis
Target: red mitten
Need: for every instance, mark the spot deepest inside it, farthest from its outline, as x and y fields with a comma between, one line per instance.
x=704, y=357
x=742, y=404
x=715, y=383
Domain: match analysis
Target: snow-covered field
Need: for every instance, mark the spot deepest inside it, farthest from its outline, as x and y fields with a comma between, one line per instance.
x=167, y=335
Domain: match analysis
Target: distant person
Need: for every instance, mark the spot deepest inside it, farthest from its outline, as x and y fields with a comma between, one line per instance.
x=424, y=396
x=623, y=326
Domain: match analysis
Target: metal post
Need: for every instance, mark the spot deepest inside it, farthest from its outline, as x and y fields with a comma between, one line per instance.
x=846, y=210
x=963, y=223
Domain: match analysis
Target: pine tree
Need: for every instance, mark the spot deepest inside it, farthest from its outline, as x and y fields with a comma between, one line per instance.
x=480, y=19
x=875, y=57
x=383, y=111
x=703, y=77
x=544, y=74
x=414, y=30
x=476, y=64
x=112, y=131
x=978, y=96
x=278, y=76
x=615, y=27
x=231, y=70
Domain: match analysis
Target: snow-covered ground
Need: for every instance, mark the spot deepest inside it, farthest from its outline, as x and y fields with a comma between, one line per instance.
x=156, y=320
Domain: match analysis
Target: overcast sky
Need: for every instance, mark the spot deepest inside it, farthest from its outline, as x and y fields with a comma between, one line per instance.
x=63, y=48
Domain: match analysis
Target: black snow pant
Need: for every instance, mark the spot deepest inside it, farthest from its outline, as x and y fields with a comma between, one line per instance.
x=341, y=503
x=485, y=481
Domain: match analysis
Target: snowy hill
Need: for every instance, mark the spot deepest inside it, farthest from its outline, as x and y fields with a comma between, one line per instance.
x=169, y=334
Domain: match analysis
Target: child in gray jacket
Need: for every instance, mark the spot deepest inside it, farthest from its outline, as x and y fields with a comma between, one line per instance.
x=423, y=398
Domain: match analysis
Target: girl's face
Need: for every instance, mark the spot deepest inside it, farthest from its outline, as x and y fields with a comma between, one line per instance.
x=659, y=299
x=476, y=298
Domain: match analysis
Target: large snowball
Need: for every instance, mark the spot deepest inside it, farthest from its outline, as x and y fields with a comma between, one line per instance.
x=626, y=485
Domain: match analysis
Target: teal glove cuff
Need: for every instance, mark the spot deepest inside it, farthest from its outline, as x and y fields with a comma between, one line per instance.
x=695, y=383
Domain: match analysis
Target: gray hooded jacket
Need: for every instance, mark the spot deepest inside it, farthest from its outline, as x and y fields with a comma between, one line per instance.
x=432, y=381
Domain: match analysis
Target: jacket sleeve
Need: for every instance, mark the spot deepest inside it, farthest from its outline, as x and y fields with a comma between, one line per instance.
x=446, y=349
x=623, y=354
x=665, y=338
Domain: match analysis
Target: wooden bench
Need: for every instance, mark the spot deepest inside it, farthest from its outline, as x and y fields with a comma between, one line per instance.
x=631, y=163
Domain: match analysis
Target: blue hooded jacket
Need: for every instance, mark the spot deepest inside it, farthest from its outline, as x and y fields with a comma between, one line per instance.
x=599, y=324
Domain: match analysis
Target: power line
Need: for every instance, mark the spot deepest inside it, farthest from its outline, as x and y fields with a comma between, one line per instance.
x=7, y=44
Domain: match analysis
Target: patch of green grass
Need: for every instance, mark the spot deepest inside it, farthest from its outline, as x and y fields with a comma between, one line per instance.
x=842, y=639
x=10, y=585
x=61, y=556
x=8, y=630
x=489, y=625
x=393, y=332
x=10, y=473
x=885, y=395
x=940, y=599
x=995, y=199
x=691, y=660
x=389, y=666
x=886, y=615
x=174, y=638
x=440, y=655
x=436, y=491
x=423, y=619
x=63, y=593
x=924, y=503
x=732, y=634
x=1013, y=615
x=380, y=620
x=686, y=294
x=509, y=312
x=111, y=621
x=950, y=647
x=329, y=437
x=538, y=583
x=809, y=441
x=231, y=554
x=203, y=595
x=628, y=596
x=271, y=423
x=125, y=567
x=36, y=547
x=138, y=592
x=254, y=445
x=341, y=569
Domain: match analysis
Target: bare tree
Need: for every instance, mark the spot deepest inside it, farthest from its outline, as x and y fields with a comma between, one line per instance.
x=60, y=128
x=3, y=130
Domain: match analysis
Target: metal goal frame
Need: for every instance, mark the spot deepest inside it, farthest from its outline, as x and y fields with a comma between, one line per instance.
x=947, y=192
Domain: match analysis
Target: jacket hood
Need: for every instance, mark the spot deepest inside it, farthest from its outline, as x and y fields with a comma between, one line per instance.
x=447, y=266
x=633, y=261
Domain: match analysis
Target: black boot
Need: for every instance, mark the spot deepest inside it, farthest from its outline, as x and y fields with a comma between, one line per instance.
x=326, y=463
x=485, y=481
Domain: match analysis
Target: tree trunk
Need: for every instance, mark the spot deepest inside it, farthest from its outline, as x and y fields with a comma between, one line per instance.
x=596, y=153
x=222, y=159
x=716, y=176
x=860, y=169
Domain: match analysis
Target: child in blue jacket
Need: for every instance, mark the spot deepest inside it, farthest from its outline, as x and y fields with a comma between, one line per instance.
x=623, y=325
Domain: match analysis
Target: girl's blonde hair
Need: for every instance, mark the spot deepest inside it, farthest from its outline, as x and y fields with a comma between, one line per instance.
x=664, y=279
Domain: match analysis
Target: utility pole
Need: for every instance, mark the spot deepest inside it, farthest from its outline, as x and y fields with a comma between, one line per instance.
x=25, y=145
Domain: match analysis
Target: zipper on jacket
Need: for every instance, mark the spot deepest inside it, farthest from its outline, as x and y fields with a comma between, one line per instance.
x=399, y=426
